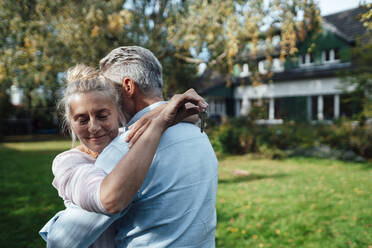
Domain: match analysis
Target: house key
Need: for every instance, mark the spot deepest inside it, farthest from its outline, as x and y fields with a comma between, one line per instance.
x=203, y=116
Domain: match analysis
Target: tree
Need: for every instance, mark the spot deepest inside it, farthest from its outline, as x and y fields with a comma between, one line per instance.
x=233, y=30
x=366, y=17
x=40, y=39
x=361, y=77
x=28, y=50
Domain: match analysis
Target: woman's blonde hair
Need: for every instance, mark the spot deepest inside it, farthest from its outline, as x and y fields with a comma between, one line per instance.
x=82, y=79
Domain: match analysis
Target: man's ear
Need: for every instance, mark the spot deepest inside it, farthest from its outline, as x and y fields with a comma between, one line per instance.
x=128, y=87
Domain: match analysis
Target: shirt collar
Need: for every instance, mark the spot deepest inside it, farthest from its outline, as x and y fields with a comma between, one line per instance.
x=143, y=111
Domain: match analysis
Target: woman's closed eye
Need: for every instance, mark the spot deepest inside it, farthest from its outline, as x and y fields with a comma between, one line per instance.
x=83, y=121
x=102, y=117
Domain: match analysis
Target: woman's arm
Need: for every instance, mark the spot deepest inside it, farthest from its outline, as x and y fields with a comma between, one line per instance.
x=77, y=180
x=121, y=185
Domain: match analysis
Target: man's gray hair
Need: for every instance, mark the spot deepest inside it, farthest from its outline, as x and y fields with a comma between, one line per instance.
x=136, y=63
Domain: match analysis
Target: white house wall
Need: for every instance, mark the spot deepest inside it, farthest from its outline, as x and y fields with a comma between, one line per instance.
x=312, y=87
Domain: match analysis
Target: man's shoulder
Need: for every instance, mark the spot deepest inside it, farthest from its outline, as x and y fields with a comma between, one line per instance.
x=181, y=132
x=112, y=153
x=119, y=143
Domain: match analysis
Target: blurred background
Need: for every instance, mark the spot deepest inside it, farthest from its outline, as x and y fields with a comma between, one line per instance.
x=289, y=87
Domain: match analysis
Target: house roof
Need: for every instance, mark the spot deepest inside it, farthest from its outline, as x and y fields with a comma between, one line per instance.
x=329, y=70
x=347, y=22
x=320, y=71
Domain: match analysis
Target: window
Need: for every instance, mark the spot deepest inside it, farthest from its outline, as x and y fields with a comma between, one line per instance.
x=277, y=65
x=306, y=59
x=245, y=72
x=278, y=114
x=236, y=70
x=327, y=55
x=337, y=54
x=310, y=58
x=262, y=66
x=328, y=103
x=290, y=108
x=314, y=107
x=217, y=107
x=331, y=55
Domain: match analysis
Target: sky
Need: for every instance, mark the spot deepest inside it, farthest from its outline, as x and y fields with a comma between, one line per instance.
x=332, y=6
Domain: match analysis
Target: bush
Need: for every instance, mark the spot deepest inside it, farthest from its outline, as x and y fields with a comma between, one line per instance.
x=237, y=136
x=242, y=135
x=272, y=153
x=288, y=136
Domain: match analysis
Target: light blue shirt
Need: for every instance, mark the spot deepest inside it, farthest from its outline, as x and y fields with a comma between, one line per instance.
x=175, y=206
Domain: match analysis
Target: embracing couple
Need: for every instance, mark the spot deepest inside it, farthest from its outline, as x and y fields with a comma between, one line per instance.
x=152, y=184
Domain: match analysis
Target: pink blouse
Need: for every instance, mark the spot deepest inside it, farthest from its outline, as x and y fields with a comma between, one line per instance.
x=78, y=181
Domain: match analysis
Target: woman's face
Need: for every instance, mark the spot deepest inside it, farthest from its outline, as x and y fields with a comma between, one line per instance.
x=94, y=119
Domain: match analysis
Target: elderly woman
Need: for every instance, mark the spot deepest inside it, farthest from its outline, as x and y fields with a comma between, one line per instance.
x=92, y=111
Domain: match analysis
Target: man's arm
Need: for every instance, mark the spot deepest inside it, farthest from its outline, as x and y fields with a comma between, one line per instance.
x=78, y=228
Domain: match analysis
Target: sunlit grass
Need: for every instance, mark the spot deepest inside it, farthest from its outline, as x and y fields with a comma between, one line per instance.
x=39, y=145
x=298, y=202
x=294, y=203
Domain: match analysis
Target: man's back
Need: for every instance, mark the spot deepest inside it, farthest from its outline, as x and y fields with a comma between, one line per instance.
x=175, y=206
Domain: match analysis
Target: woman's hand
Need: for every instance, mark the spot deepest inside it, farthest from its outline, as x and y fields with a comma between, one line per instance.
x=178, y=108
x=139, y=127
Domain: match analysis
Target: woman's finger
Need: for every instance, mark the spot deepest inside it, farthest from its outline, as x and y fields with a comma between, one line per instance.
x=192, y=96
x=138, y=133
x=189, y=96
x=189, y=112
x=135, y=127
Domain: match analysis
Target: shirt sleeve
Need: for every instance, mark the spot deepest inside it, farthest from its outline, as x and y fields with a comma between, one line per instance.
x=77, y=228
x=78, y=180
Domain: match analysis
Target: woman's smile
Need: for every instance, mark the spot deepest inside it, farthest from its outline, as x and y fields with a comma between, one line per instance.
x=97, y=137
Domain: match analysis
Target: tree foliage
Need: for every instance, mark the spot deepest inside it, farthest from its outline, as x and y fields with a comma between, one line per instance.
x=39, y=39
x=366, y=17
x=234, y=30
x=361, y=77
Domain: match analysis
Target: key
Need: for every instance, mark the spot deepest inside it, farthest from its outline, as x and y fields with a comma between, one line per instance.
x=203, y=116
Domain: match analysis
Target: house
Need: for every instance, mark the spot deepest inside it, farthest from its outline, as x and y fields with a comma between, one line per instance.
x=304, y=88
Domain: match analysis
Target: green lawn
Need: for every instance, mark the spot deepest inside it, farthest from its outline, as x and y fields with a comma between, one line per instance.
x=294, y=203
x=261, y=203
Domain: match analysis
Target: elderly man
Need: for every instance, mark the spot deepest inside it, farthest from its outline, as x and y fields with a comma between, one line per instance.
x=175, y=206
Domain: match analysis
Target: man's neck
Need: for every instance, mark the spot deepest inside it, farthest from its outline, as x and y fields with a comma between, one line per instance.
x=145, y=102
x=141, y=103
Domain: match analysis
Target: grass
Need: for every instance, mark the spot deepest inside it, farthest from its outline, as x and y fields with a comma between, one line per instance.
x=299, y=202
x=28, y=199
